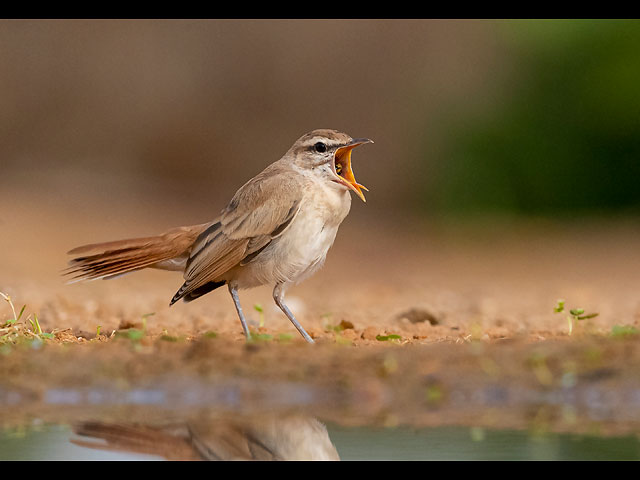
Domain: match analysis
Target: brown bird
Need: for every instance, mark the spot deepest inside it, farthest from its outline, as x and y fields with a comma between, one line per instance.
x=275, y=231
x=293, y=437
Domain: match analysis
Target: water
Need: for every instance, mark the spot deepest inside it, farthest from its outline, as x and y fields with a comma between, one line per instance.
x=215, y=400
x=462, y=443
x=365, y=443
x=52, y=443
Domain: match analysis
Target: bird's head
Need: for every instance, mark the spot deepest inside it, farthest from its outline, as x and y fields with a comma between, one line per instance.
x=328, y=153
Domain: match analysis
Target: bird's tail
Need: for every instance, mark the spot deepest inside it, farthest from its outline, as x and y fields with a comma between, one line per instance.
x=168, y=251
x=170, y=441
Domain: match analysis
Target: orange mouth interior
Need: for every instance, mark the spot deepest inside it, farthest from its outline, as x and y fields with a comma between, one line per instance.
x=342, y=166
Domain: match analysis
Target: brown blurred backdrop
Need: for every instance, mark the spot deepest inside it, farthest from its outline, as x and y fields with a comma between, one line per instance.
x=183, y=112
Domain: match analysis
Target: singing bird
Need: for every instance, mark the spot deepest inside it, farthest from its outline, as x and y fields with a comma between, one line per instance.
x=275, y=231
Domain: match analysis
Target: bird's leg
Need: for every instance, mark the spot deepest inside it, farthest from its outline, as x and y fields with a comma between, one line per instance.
x=236, y=300
x=278, y=296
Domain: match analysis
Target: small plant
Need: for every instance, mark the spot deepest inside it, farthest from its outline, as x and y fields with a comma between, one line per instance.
x=132, y=334
x=327, y=320
x=135, y=335
x=261, y=337
x=169, y=338
x=35, y=327
x=343, y=325
x=333, y=328
x=258, y=308
x=13, y=330
x=15, y=318
x=386, y=338
x=624, y=331
x=144, y=320
x=575, y=314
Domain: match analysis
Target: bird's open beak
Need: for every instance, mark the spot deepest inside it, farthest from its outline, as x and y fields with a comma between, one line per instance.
x=342, y=166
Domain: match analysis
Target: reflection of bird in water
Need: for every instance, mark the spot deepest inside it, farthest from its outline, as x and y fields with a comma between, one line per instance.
x=291, y=438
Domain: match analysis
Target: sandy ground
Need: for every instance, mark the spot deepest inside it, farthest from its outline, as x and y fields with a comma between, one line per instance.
x=443, y=290
x=421, y=282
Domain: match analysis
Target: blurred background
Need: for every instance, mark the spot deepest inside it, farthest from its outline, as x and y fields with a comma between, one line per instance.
x=469, y=116
x=119, y=128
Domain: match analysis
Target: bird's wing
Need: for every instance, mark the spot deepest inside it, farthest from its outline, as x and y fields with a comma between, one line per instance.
x=259, y=211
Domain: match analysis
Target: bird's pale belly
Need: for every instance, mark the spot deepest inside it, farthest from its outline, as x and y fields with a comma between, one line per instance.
x=296, y=254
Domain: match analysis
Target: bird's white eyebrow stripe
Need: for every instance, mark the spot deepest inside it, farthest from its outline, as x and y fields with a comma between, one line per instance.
x=329, y=143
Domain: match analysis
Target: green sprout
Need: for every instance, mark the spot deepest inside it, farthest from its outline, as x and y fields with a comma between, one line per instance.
x=624, y=331
x=14, y=333
x=343, y=325
x=560, y=306
x=260, y=337
x=35, y=327
x=132, y=334
x=258, y=308
x=169, y=338
x=575, y=314
x=386, y=338
x=15, y=318
x=144, y=320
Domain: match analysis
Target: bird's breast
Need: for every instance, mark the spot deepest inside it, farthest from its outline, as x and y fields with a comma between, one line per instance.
x=301, y=249
x=312, y=233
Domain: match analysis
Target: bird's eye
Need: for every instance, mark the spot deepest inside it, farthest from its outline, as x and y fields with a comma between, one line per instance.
x=320, y=147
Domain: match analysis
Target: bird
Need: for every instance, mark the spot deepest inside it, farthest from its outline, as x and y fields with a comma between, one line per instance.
x=276, y=230
x=290, y=437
